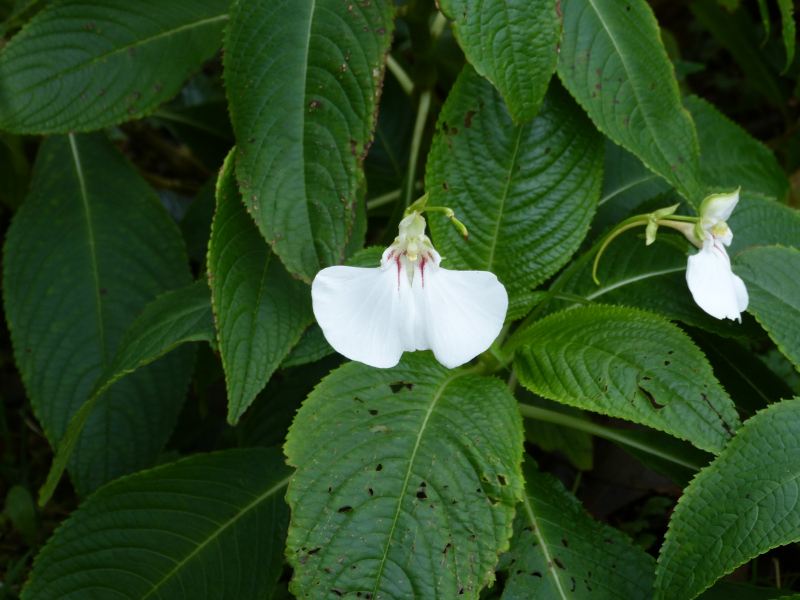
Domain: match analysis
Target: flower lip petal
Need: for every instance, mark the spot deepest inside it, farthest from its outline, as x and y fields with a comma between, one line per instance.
x=712, y=283
x=361, y=312
x=463, y=312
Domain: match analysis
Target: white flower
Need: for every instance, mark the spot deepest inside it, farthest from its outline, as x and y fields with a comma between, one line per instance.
x=409, y=303
x=714, y=286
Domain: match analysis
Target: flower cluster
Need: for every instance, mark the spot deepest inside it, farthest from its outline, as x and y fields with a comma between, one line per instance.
x=409, y=303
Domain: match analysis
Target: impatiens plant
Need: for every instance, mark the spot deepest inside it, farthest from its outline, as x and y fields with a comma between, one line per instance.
x=400, y=300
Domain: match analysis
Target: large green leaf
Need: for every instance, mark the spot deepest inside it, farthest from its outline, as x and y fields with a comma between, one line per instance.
x=261, y=310
x=303, y=79
x=205, y=528
x=771, y=277
x=525, y=193
x=613, y=62
x=741, y=505
x=731, y=157
x=87, y=251
x=82, y=65
x=175, y=318
x=513, y=44
x=558, y=552
x=402, y=493
x=629, y=364
x=758, y=221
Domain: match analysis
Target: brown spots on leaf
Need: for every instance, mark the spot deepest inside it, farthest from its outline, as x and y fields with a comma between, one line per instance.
x=468, y=118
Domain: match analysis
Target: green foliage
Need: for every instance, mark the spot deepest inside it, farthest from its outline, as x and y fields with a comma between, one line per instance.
x=736, y=508
x=80, y=65
x=173, y=319
x=304, y=118
x=558, y=551
x=512, y=45
x=204, y=528
x=613, y=62
x=402, y=493
x=87, y=251
x=629, y=364
x=261, y=311
x=526, y=195
x=770, y=274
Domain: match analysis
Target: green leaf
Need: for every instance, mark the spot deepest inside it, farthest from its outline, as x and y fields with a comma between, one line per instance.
x=788, y=30
x=728, y=590
x=204, y=528
x=741, y=505
x=758, y=221
x=771, y=277
x=196, y=222
x=173, y=319
x=311, y=347
x=738, y=34
x=15, y=172
x=513, y=44
x=260, y=309
x=82, y=65
x=626, y=184
x=87, y=251
x=402, y=492
x=731, y=157
x=613, y=62
x=629, y=364
x=21, y=511
x=303, y=119
x=525, y=193
x=559, y=552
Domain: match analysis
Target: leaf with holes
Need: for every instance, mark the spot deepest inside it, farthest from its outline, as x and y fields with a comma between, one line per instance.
x=730, y=157
x=204, y=528
x=82, y=65
x=525, y=193
x=406, y=482
x=771, y=277
x=175, y=318
x=559, y=552
x=628, y=364
x=303, y=79
x=90, y=247
x=261, y=310
x=741, y=505
x=513, y=44
x=613, y=62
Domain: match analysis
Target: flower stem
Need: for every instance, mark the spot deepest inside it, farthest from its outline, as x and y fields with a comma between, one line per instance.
x=400, y=74
x=557, y=418
x=608, y=240
x=416, y=142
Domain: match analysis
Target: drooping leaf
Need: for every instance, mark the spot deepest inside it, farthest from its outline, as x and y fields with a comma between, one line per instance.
x=731, y=157
x=513, y=44
x=558, y=552
x=173, y=319
x=87, y=251
x=81, y=65
x=771, y=277
x=303, y=117
x=741, y=505
x=525, y=193
x=260, y=309
x=612, y=61
x=629, y=364
x=207, y=527
x=788, y=30
x=402, y=494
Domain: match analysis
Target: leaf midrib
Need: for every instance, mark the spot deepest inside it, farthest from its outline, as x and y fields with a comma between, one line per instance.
x=538, y=532
x=278, y=486
x=402, y=494
x=122, y=49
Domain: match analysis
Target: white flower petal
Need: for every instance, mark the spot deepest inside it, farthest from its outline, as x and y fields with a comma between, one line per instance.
x=712, y=282
x=365, y=314
x=718, y=207
x=460, y=312
x=742, y=297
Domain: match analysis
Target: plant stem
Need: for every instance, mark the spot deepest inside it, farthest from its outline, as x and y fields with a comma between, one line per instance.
x=439, y=23
x=551, y=416
x=389, y=197
x=400, y=74
x=416, y=142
